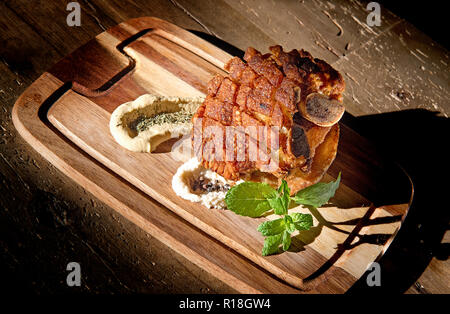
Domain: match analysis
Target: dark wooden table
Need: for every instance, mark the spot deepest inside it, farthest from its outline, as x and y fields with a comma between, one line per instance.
x=397, y=94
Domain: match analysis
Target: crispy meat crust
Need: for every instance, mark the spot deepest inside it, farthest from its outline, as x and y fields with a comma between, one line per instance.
x=298, y=94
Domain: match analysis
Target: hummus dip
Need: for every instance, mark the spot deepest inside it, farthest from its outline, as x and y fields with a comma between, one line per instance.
x=195, y=183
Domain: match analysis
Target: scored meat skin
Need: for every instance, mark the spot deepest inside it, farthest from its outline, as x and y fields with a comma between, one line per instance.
x=264, y=91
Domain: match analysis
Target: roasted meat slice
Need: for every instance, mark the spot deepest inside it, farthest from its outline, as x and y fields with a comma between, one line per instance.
x=315, y=74
x=306, y=131
x=321, y=110
x=272, y=118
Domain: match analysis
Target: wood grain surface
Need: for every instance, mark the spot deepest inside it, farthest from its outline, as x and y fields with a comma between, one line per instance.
x=170, y=61
x=42, y=208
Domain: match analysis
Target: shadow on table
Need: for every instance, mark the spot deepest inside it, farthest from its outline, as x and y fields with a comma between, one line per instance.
x=232, y=50
x=417, y=140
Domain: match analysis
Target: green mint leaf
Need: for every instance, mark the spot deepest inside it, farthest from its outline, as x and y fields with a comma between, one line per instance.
x=285, y=193
x=318, y=194
x=286, y=240
x=250, y=198
x=280, y=202
x=272, y=227
x=289, y=224
x=302, y=221
x=271, y=244
x=277, y=204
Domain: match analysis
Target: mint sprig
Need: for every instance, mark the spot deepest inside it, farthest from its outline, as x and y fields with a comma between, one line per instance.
x=301, y=221
x=279, y=231
x=318, y=194
x=271, y=244
x=250, y=198
x=254, y=199
x=272, y=227
x=281, y=199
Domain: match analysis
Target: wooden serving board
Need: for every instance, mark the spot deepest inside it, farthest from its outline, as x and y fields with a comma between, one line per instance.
x=65, y=115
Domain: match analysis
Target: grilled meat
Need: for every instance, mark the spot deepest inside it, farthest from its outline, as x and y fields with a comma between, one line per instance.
x=268, y=117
